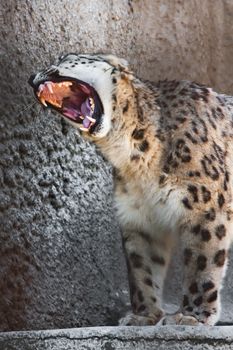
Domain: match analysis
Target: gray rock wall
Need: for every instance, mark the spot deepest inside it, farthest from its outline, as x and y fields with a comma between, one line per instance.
x=61, y=263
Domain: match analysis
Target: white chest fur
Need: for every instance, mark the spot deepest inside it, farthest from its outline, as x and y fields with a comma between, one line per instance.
x=150, y=208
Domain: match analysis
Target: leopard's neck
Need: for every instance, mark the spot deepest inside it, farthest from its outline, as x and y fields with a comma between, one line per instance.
x=132, y=139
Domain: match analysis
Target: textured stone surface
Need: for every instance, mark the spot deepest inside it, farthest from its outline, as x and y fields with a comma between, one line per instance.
x=61, y=263
x=122, y=338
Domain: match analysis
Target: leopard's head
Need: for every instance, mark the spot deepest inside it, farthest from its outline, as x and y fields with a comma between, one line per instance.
x=82, y=88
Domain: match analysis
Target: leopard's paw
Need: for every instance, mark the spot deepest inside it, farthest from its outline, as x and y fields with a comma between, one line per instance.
x=139, y=320
x=179, y=319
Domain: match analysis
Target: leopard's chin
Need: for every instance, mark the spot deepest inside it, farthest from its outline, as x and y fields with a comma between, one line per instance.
x=74, y=99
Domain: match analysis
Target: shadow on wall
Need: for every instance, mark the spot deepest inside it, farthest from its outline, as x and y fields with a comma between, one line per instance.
x=61, y=259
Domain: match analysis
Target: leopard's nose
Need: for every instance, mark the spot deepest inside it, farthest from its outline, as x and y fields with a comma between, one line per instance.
x=31, y=79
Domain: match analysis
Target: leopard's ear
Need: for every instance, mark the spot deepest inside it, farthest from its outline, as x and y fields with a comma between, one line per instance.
x=121, y=64
x=117, y=62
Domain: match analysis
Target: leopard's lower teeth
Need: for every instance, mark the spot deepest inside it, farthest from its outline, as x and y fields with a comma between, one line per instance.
x=84, y=129
x=90, y=118
x=91, y=104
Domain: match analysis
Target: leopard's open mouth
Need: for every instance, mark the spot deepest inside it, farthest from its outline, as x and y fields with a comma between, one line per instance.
x=74, y=99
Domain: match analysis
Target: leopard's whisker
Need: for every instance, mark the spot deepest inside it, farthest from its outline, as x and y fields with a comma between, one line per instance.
x=29, y=106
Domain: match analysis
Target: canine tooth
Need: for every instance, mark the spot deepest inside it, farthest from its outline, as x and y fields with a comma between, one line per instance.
x=42, y=100
x=90, y=118
x=39, y=91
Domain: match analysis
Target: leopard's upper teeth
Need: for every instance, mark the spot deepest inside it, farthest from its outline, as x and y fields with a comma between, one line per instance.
x=43, y=102
x=67, y=83
x=40, y=88
x=50, y=87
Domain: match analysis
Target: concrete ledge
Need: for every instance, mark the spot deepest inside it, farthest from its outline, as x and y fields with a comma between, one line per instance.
x=110, y=338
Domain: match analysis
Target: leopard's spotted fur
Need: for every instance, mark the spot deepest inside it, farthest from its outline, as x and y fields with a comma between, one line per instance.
x=170, y=144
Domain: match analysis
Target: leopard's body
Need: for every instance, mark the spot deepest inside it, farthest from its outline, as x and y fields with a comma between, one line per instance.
x=171, y=147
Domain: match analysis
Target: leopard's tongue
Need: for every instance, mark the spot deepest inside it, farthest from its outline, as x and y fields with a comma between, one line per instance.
x=71, y=113
x=83, y=114
x=86, y=123
x=86, y=111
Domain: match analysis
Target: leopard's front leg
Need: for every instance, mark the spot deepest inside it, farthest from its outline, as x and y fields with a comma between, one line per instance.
x=147, y=259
